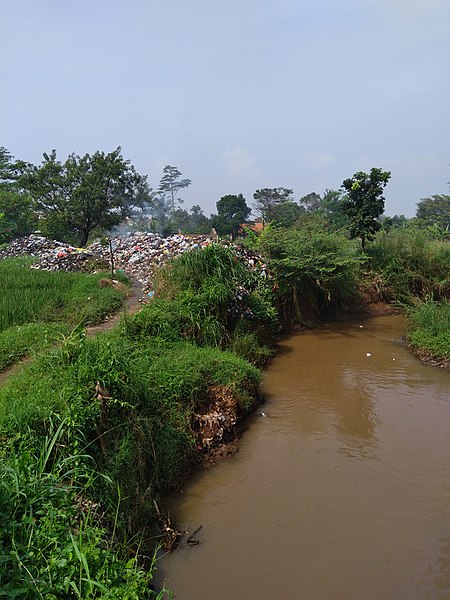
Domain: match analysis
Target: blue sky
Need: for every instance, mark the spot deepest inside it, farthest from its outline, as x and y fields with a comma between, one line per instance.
x=238, y=95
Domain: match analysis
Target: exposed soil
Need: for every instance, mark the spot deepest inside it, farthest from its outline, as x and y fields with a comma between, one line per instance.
x=429, y=360
x=216, y=427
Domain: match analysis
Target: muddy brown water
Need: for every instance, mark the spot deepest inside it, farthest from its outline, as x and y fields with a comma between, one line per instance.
x=341, y=493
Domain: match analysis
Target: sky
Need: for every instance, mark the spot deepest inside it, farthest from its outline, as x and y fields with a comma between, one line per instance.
x=238, y=94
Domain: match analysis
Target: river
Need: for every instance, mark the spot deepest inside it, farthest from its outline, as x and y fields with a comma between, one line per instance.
x=342, y=492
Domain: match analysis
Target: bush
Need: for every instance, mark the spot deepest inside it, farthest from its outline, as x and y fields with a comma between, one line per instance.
x=429, y=328
x=410, y=264
x=315, y=269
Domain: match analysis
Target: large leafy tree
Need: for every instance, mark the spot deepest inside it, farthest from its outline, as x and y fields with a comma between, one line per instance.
x=170, y=185
x=232, y=212
x=17, y=215
x=311, y=201
x=364, y=202
x=286, y=213
x=435, y=210
x=83, y=193
x=266, y=199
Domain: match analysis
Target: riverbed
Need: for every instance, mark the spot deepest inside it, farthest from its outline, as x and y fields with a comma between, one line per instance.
x=342, y=492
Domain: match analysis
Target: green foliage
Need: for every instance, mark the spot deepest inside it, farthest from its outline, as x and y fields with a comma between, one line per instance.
x=17, y=215
x=232, y=212
x=22, y=340
x=82, y=194
x=286, y=214
x=31, y=295
x=410, y=264
x=435, y=211
x=429, y=328
x=193, y=222
x=266, y=199
x=170, y=185
x=314, y=268
x=364, y=203
x=201, y=297
x=331, y=207
x=52, y=541
x=125, y=402
x=248, y=346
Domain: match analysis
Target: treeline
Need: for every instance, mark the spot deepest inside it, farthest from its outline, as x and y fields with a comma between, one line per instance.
x=89, y=195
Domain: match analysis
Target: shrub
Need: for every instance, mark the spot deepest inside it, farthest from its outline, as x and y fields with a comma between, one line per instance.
x=315, y=268
x=411, y=264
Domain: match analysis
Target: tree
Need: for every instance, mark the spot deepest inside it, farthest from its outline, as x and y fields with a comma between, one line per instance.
x=311, y=201
x=18, y=216
x=170, y=185
x=232, y=212
x=364, y=202
x=198, y=221
x=84, y=193
x=267, y=198
x=6, y=168
x=286, y=213
x=435, y=210
x=331, y=208
x=395, y=222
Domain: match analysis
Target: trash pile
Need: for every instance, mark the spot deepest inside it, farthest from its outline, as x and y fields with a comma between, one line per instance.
x=139, y=255
x=50, y=254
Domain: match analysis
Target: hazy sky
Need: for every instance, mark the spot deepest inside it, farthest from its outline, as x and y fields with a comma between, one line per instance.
x=238, y=94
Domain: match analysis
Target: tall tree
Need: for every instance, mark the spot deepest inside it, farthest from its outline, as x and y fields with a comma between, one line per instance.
x=286, y=213
x=435, y=210
x=170, y=184
x=18, y=216
x=331, y=208
x=266, y=199
x=84, y=193
x=311, y=201
x=232, y=212
x=364, y=203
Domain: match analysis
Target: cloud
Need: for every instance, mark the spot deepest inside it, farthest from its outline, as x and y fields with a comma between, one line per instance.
x=239, y=164
x=317, y=160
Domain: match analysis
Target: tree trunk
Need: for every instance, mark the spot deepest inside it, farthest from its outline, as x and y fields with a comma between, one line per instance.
x=84, y=238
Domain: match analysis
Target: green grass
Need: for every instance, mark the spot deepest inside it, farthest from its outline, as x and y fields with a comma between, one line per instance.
x=128, y=443
x=31, y=295
x=53, y=541
x=410, y=264
x=429, y=328
x=24, y=340
x=37, y=307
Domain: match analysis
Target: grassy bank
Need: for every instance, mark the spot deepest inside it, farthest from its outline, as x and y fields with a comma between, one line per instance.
x=94, y=431
x=37, y=308
x=429, y=330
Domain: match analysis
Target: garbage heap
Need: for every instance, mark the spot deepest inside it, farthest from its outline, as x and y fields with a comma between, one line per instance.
x=139, y=254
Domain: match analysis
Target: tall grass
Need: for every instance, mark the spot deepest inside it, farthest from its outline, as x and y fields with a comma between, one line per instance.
x=23, y=340
x=315, y=269
x=411, y=264
x=37, y=307
x=53, y=543
x=31, y=295
x=429, y=328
